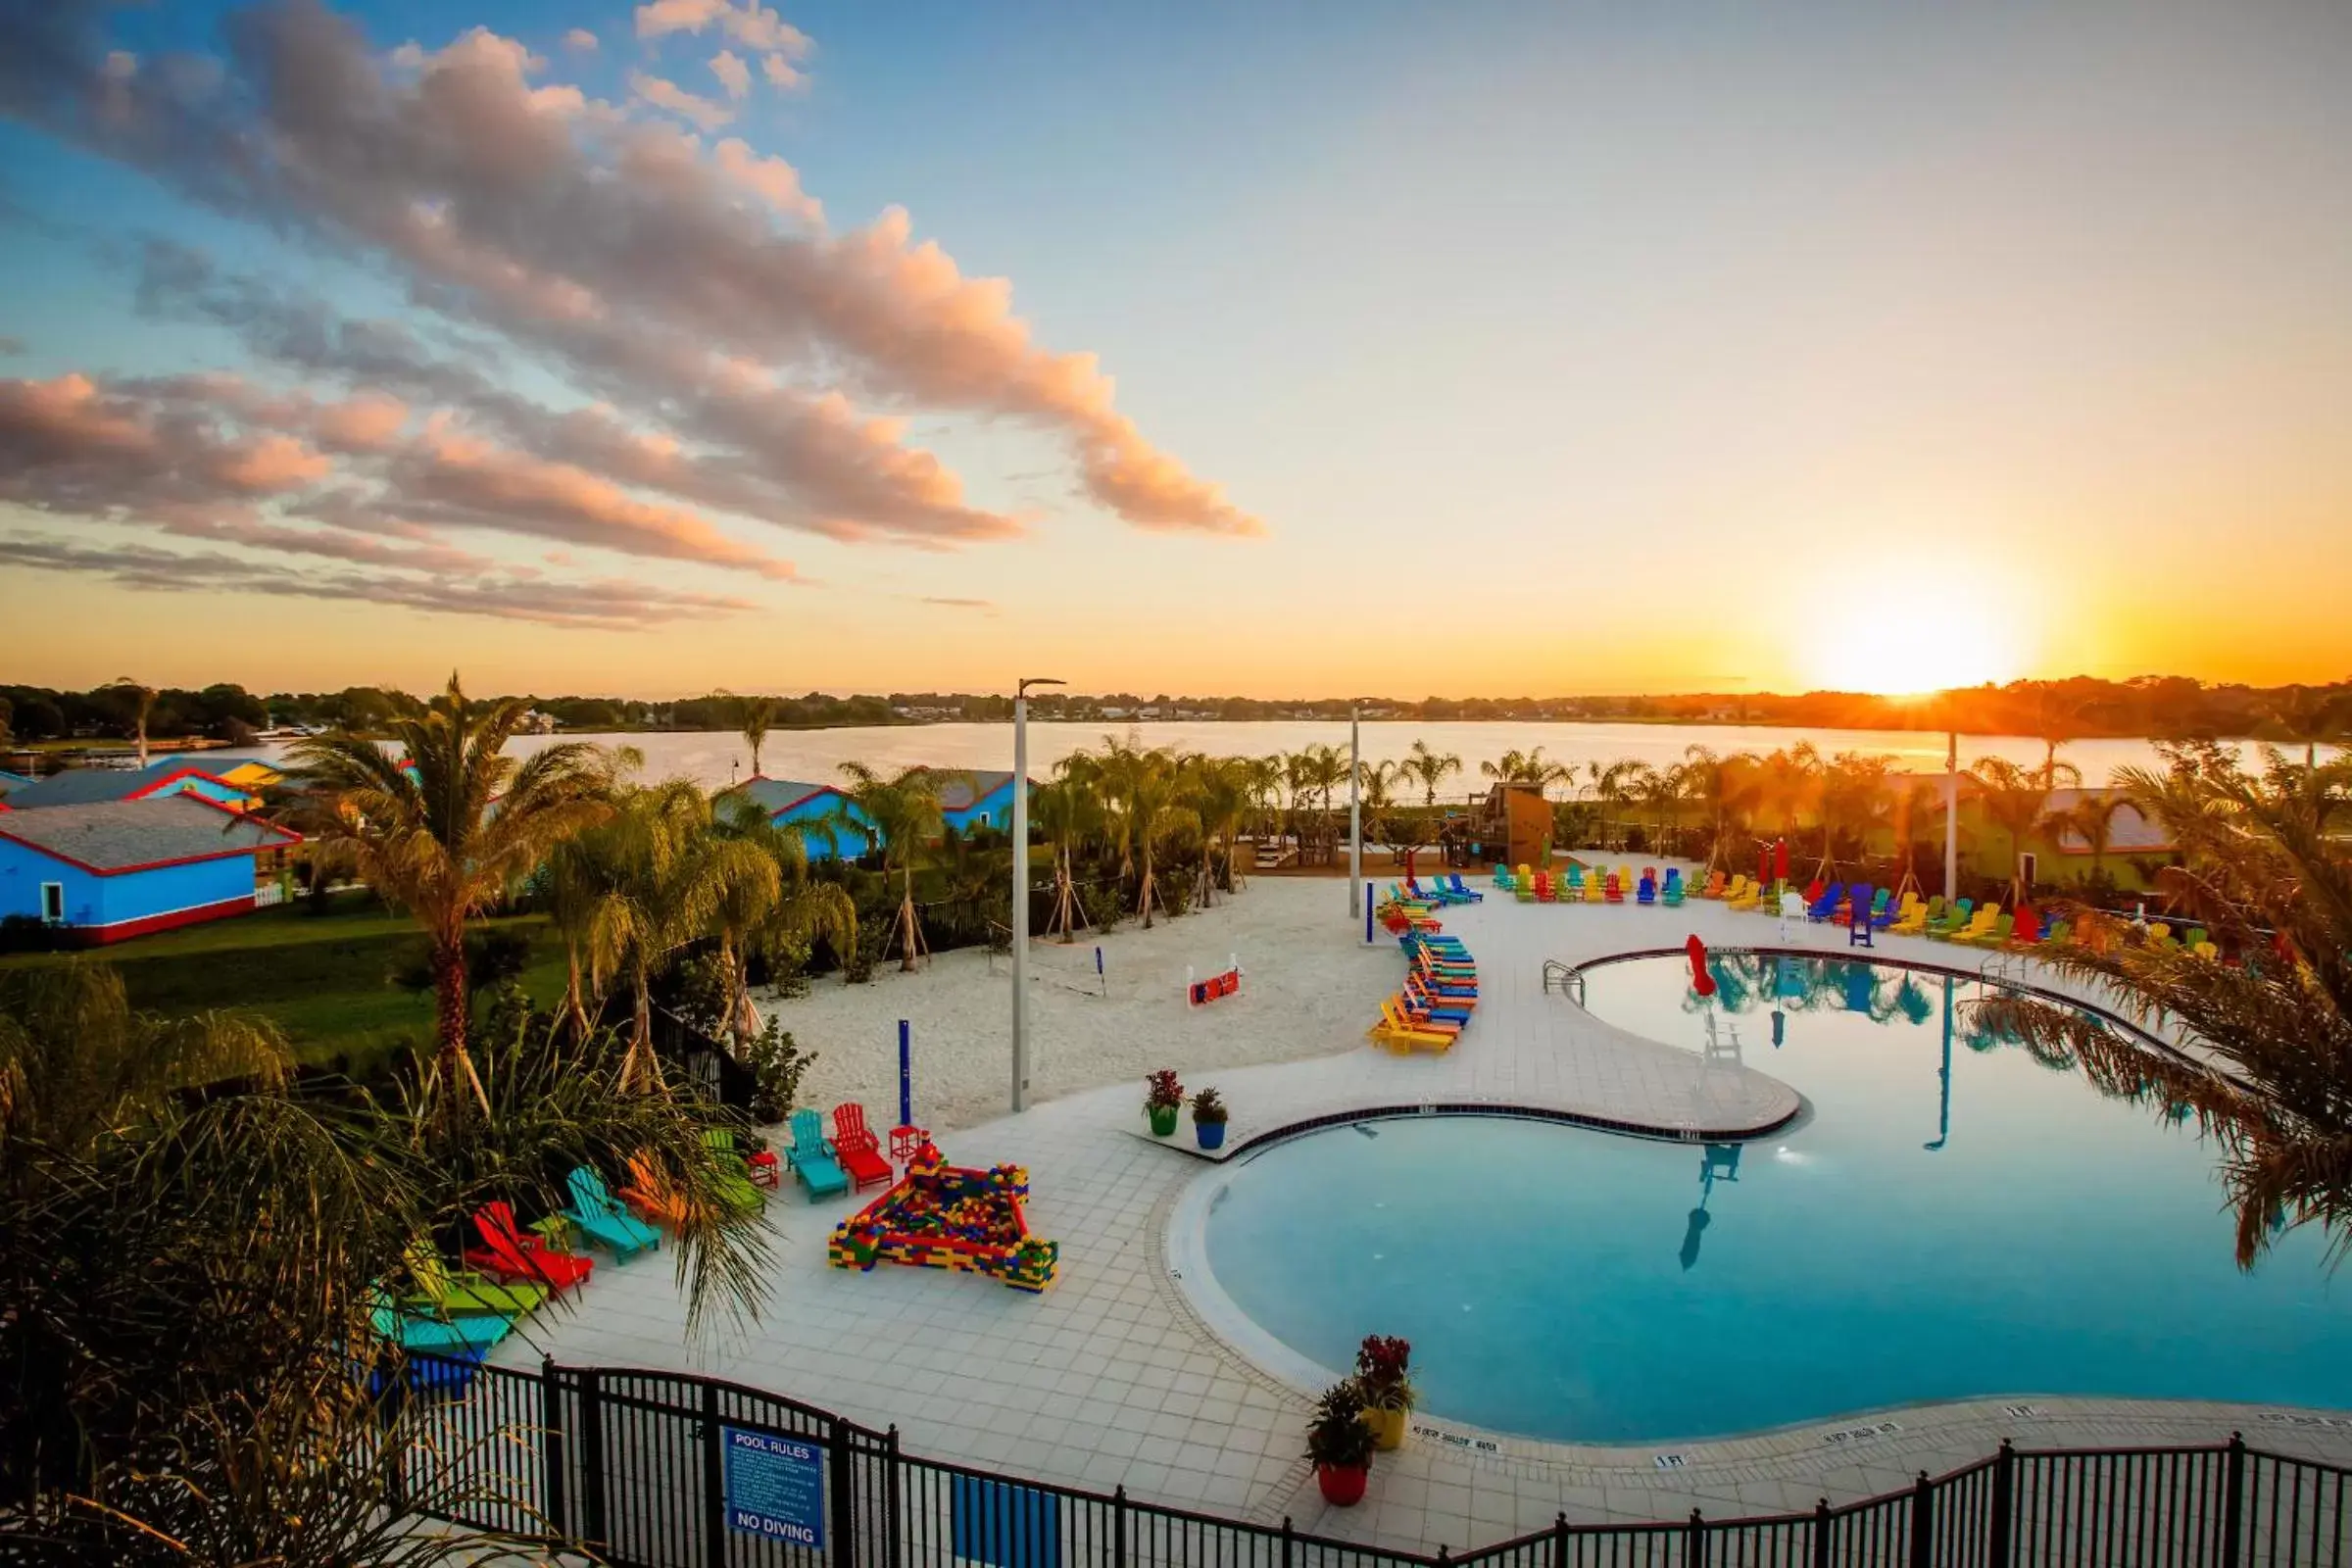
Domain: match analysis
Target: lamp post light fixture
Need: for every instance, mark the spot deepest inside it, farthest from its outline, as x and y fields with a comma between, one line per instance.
x=1020, y=888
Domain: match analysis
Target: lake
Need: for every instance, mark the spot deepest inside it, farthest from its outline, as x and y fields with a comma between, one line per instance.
x=715, y=759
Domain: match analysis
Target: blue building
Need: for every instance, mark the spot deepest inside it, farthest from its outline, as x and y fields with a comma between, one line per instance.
x=158, y=780
x=114, y=869
x=979, y=798
x=830, y=823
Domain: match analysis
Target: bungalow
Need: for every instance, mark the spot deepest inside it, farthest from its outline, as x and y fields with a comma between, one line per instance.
x=980, y=798
x=115, y=870
x=248, y=773
x=2047, y=856
x=791, y=802
x=158, y=780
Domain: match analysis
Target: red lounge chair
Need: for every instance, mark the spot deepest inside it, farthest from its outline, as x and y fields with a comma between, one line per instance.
x=509, y=1254
x=860, y=1151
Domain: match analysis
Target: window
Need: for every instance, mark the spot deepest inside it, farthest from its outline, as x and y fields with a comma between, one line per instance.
x=53, y=904
x=2028, y=867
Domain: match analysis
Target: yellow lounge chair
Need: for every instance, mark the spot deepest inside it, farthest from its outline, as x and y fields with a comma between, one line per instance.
x=1980, y=925
x=1396, y=1033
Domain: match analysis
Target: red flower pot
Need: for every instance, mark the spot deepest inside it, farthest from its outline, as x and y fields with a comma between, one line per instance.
x=1342, y=1487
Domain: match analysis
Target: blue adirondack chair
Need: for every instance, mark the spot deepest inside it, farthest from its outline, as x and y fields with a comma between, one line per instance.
x=1827, y=905
x=1468, y=895
x=811, y=1158
x=602, y=1219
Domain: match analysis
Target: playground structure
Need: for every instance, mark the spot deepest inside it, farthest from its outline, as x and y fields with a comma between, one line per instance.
x=952, y=1217
x=1200, y=993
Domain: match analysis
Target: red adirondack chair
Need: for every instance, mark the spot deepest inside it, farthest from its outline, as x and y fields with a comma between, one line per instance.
x=508, y=1253
x=860, y=1151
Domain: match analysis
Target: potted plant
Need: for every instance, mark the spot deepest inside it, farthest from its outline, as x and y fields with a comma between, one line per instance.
x=1209, y=1119
x=1381, y=1364
x=1163, y=1097
x=1341, y=1444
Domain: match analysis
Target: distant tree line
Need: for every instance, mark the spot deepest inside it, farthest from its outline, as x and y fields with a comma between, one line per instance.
x=2164, y=705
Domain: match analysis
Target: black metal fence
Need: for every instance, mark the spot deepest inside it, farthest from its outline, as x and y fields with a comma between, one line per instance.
x=668, y=1470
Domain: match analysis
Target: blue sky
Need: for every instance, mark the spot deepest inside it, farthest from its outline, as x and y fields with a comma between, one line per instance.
x=1498, y=349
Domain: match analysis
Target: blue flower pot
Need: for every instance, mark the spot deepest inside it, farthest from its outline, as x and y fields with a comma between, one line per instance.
x=1211, y=1134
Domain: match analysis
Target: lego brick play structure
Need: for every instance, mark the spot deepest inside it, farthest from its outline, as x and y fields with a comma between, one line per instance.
x=952, y=1217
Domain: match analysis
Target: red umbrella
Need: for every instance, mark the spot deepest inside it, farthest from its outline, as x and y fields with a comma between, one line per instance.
x=1779, y=860
x=1763, y=864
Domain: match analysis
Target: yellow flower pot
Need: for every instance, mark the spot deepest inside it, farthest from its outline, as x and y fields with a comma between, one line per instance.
x=1388, y=1426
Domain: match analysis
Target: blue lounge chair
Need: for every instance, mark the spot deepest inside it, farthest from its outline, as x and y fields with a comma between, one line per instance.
x=1453, y=880
x=1646, y=891
x=1827, y=905
x=811, y=1158
x=602, y=1219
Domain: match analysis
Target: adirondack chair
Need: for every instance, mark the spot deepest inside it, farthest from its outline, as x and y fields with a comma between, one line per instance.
x=1613, y=891
x=1595, y=882
x=452, y=1291
x=1645, y=891
x=1543, y=894
x=602, y=1220
x=1503, y=879
x=2027, y=931
x=1955, y=916
x=1821, y=903
x=1523, y=885
x=509, y=1253
x=1672, y=891
x=813, y=1158
x=1397, y=1034
x=736, y=1188
x=1462, y=893
x=651, y=1196
x=859, y=1149
x=434, y=1334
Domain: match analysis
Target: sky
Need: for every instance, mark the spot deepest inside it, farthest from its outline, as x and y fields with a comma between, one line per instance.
x=1221, y=348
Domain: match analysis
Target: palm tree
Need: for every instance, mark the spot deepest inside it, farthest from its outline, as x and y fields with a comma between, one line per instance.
x=1217, y=790
x=2311, y=715
x=1612, y=783
x=768, y=904
x=445, y=826
x=2055, y=720
x=1323, y=771
x=2014, y=798
x=759, y=713
x=142, y=699
x=1064, y=812
x=2269, y=882
x=1725, y=791
x=1154, y=809
x=1790, y=778
x=1526, y=768
x=902, y=812
x=2091, y=819
x=1429, y=769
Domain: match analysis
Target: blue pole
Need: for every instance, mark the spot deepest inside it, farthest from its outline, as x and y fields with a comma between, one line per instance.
x=1100, y=978
x=1367, y=912
x=906, y=1077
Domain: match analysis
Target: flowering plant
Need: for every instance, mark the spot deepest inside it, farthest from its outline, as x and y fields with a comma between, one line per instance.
x=1161, y=1091
x=1381, y=1364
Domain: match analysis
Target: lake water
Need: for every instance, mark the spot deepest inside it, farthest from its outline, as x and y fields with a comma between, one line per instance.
x=715, y=759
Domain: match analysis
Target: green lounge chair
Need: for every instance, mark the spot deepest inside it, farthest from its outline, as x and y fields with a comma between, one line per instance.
x=461, y=1290
x=1992, y=936
x=454, y=1335
x=1955, y=917
x=735, y=1189
x=811, y=1158
x=602, y=1219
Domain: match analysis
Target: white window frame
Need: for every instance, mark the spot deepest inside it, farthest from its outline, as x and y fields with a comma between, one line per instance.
x=53, y=894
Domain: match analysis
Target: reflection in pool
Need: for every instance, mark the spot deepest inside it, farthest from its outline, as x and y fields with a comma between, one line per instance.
x=1953, y=1220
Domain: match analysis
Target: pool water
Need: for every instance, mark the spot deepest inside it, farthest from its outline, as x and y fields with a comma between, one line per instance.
x=2005, y=1230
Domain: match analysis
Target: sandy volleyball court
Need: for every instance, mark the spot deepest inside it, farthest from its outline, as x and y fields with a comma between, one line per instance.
x=1309, y=989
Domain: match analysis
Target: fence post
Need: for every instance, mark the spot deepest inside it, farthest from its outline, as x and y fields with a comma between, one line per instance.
x=1118, y=1526
x=1694, y=1549
x=1287, y=1542
x=845, y=1506
x=1922, y=1522
x=2234, y=1503
x=2004, y=1506
x=714, y=1482
x=551, y=1447
x=1559, y=1539
x=890, y=1482
x=1821, y=1533
x=592, y=1456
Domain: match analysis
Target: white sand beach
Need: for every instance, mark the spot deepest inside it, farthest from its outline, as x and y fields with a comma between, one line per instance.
x=1308, y=986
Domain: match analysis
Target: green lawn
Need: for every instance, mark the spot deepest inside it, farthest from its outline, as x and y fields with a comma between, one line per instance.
x=327, y=979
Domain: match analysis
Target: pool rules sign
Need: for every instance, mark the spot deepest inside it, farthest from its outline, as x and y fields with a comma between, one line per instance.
x=776, y=1487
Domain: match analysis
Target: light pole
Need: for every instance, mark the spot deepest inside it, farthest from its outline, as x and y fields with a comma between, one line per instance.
x=1355, y=810
x=1020, y=889
x=1951, y=814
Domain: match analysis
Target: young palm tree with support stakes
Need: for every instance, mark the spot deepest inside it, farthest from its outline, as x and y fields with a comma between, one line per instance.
x=1429, y=769
x=769, y=903
x=2014, y=799
x=2268, y=875
x=904, y=813
x=443, y=823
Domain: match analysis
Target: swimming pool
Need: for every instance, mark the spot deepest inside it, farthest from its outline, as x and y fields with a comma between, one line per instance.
x=1953, y=1220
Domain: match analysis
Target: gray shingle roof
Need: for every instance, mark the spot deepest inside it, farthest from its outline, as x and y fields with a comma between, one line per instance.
x=775, y=793
x=79, y=785
x=975, y=786
x=117, y=835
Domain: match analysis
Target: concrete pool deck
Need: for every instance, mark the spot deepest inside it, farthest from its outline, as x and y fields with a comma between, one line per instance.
x=1112, y=1378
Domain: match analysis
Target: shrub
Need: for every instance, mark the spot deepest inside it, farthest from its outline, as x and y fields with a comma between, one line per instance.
x=1161, y=1091
x=1336, y=1435
x=1381, y=1367
x=777, y=1063
x=1208, y=1108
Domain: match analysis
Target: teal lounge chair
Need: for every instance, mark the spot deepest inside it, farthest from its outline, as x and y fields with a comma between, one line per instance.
x=434, y=1335
x=602, y=1219
x=811, y=1158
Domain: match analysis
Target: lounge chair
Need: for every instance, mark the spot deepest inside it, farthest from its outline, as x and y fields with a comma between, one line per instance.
x=1955, y=917
x=1645, y=891
x=1397, y=1034
x=1821, y=902
x=1913, y=922
x=1981, y=925
x=602, y=1219
x=1462, y=893
x=1544, y=892
x=461, y=1290
x=859, y=1149
x=1714, y=885
x=1671, y=894
x=1992, y=936
x=813, y=1160
x=1613, y=891
x=736, y=1188
x=2026, y=930
x=1523, y=884
x=651, y=1195
x=511, y=1253
x=1743, y=894
x=434, y=1333
x=1503, y=879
